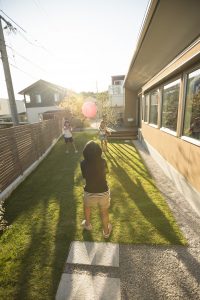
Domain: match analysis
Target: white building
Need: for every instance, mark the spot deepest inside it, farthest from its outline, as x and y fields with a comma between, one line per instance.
x=5, y=112
x=116, y=95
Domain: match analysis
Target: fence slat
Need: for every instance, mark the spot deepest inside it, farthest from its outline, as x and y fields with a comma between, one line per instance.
x=21, y=146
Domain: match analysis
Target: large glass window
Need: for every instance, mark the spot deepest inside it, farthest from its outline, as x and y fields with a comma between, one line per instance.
x=153, y=114
x=146, y=107
x=170, y=105
x=192, y=106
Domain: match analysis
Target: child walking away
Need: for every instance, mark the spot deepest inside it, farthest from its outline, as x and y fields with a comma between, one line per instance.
x=96, y=191
x=67, y=132
x=103, y=134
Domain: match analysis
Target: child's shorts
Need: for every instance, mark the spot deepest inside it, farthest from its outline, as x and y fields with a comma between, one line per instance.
x=68, y=140
x=97, y=199
x=103, y=137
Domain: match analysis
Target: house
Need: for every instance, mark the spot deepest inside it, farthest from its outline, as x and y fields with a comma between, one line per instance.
x=40, y=97
x=5, y=113
x=162, y=91
x=116, y=95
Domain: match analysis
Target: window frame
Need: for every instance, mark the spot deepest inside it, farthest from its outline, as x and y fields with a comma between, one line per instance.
x=185, y=77
x=165, y=129
x=146, y=96
x=150, y=93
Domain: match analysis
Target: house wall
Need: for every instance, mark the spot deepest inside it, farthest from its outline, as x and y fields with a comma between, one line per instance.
x=175, y=151
x=130, y=114
x=47, y=98
x=33, y=113
x=182, y=155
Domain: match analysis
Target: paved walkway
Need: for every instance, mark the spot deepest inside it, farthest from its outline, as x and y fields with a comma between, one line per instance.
x=107, y=271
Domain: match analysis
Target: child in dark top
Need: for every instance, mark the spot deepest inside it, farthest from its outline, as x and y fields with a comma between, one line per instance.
x=96, y=191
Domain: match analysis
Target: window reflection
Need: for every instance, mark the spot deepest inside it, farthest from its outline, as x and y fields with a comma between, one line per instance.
x=153, y=115
x=192, y=108
x=170, y=105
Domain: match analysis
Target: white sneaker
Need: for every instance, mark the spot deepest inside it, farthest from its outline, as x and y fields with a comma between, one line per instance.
x=76, y=151
x=87, y=227
x=106, y=236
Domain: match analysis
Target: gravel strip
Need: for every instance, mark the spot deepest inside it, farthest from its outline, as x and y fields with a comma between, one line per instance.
x=161, y=272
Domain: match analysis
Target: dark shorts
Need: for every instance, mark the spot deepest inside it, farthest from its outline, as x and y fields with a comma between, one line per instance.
x=68, y=140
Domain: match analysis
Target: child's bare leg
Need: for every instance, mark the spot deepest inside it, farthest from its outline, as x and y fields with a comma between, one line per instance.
x=106, y=145
x=102, y=145
x=67, y=148
x=74, y=147
x=87, y=212
x=105, y=219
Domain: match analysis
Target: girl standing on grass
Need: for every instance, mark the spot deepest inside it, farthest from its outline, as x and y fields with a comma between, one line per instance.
x=96, y=191
x=67, y=132
x=103, y=135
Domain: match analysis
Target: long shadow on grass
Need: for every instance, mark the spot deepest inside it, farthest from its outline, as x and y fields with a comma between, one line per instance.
x=144, y=203
x=45, y=201
x=122, y=155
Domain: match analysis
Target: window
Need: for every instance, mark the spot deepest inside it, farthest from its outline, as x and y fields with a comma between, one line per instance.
x=118, y=82
x=153, y=114
x=38, y=98
x=192, y=106
x=27, y=99
x=56, y=97
x=146, y=106
x=170, y=105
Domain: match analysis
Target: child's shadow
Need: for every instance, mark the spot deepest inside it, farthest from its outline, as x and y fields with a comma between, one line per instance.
x=87, y=236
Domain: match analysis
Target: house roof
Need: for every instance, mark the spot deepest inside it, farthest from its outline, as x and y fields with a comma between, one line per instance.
x=169, y=27
x=42, y=83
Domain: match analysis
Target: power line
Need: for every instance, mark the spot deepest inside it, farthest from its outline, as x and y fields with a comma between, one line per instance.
x=13, y=21
x=25, y=58
x=23, y=71
x=38, y=45
x=16, y=67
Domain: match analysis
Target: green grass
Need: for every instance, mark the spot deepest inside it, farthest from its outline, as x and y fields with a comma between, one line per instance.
x=45, y=214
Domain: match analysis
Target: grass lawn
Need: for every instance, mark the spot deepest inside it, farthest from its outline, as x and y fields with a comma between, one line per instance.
x=45, y=214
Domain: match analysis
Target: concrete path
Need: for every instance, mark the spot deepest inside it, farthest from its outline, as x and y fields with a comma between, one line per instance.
x=107, y=271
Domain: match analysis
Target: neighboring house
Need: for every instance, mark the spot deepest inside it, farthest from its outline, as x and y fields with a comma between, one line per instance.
x=5, y=112
x=116, y=96
x=162, y=91
x=40, y=97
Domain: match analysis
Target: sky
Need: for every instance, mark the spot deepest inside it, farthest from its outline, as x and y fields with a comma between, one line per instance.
x=78, y=44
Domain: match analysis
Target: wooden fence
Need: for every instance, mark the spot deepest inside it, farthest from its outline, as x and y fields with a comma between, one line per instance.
x=21, y=146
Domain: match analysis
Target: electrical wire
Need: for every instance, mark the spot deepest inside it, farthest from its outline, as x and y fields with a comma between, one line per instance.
x=25, y=58
x=13, y=21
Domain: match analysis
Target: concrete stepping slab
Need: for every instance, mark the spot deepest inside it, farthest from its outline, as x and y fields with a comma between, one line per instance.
x=93, y=253
x=82, y=286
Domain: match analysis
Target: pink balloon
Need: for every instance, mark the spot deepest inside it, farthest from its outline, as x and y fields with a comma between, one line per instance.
x=89, y=109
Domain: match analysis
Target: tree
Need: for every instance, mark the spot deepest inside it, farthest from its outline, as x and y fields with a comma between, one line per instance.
x=106, y=111
x=73, y=103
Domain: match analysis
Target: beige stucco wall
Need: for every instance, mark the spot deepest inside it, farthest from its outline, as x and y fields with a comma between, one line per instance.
x=182, y=155
x=130, y=108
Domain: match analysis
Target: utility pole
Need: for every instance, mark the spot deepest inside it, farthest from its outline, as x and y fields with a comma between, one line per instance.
x=6, y=67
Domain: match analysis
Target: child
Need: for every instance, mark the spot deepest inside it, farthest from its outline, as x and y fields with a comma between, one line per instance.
x=103, y=133
x=96, y=191
x=67, y=132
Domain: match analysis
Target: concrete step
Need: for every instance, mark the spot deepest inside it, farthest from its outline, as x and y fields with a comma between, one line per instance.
x=123, y=135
